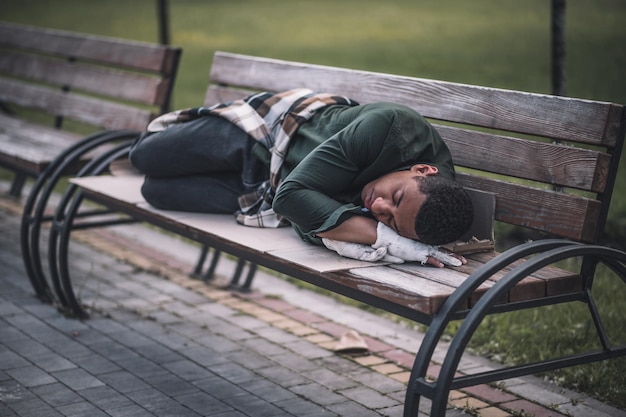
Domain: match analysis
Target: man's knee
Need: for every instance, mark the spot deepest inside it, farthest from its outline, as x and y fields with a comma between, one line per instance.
x=138, y=155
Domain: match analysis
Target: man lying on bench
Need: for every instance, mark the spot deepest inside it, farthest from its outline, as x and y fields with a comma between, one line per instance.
x=371, y=182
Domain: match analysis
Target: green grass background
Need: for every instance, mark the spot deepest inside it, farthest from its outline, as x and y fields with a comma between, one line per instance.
x=498, y=43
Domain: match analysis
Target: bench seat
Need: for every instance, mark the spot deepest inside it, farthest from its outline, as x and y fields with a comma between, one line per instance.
x=28, y=147
x=420, y=290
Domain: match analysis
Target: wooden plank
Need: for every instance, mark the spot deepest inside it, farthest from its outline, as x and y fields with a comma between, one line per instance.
x=128, y=53
x=216, y=94
x=417, y=293
x=452, y=277
x=527, y=289
x=559, y=281
x=545, y=282
x=90, y=110
x=95, y=79
x=560, y=165
x=535, y=114
x=27, y=147
x=28, y=156
x=128, y=190
x=561, y=214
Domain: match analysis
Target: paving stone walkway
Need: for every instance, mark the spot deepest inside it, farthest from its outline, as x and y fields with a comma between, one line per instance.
x=159, y=343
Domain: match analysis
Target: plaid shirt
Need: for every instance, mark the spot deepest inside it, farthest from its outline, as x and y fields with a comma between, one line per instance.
x=272, y=120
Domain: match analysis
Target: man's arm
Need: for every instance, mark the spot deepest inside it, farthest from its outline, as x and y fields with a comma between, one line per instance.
x=357, y=229
x=361, y=229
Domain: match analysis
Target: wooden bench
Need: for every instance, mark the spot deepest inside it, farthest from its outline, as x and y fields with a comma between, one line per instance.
x=102, y=82
x=67, y=93
x=550, y=162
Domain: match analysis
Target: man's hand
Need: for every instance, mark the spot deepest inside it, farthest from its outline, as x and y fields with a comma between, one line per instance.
x=411, y=250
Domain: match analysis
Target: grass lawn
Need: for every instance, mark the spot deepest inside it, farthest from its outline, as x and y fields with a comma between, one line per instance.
x=499, y=43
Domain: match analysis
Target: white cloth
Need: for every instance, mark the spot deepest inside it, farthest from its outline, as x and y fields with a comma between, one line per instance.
x=357, y=251
x=408, y=249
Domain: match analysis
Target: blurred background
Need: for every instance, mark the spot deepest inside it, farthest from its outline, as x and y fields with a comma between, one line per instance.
x=496, y=43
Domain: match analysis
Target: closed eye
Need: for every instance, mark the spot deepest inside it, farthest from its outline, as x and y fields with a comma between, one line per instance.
x=398, y=200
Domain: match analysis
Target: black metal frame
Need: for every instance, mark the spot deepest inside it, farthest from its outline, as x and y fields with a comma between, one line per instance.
x=34, y=214
x=209, y=274
x=547, y=252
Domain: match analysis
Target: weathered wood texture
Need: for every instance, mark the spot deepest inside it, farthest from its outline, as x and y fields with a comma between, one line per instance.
x=418, y=289
x=531, y=150
x=103, y=82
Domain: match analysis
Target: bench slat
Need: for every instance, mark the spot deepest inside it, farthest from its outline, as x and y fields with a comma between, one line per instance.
x=554, y=164
x=146, y=89
x=562, y=214
x=537, y=285
x=449, y=277
x=535, y=114
x=128, y=53
x=20, y=151
x=100, y=113
x=415, y=293
x=216, y=94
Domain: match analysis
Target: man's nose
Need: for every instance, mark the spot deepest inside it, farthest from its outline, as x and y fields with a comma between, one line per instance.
x=381, y=207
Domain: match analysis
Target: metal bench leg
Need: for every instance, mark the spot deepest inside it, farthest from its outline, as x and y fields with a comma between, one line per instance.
x=210, y=272
x=246, y=287
x=197, y=271
x=63, y=223
x=33, y=215
x=418, y=385
x=237, y=274
x=17, y=185
x=446, y=381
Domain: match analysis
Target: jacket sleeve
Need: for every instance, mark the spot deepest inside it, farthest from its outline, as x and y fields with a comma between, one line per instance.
x=323, y=190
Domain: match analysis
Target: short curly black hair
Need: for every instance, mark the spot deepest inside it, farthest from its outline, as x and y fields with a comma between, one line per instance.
x=447, y=212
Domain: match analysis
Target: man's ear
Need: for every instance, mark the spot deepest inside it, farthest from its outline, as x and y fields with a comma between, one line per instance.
x=424, y=169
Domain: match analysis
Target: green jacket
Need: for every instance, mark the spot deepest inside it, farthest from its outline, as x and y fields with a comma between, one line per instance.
x=341, y=149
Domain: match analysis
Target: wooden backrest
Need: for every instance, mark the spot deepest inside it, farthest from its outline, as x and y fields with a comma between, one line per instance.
x=551, y=161
x=105, y=82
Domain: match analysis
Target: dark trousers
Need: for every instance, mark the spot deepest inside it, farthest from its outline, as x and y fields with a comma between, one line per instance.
x=201, y=166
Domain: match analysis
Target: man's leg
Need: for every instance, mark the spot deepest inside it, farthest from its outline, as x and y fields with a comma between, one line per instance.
x=205, y=145
x=216, y=193
x=202, y=166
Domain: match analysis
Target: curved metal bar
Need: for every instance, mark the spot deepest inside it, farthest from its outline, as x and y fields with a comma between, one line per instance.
x=417, y=384
x=482, y=307
x=37, y=201
x=62, y=224
x=39, y=284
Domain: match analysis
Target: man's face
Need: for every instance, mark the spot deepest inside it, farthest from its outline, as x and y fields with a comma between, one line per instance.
x=395, y=199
